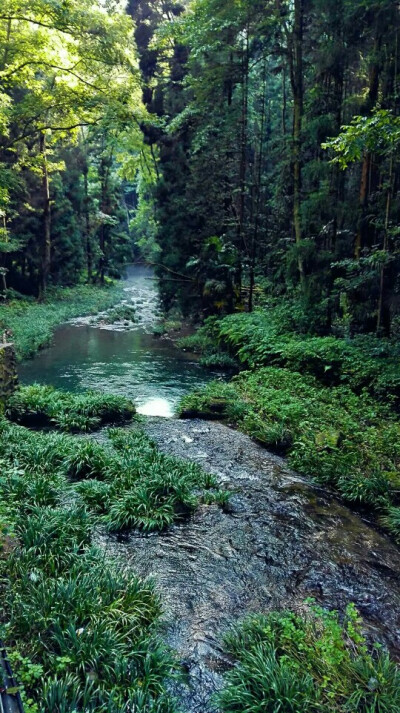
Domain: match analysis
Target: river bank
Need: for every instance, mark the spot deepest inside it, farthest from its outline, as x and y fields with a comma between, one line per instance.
x=120, y=356
x=314, y=400
x=279, y=541
x=32, y=323
x=134, y=525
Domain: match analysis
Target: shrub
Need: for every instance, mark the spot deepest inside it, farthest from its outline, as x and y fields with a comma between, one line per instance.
x=262, y=339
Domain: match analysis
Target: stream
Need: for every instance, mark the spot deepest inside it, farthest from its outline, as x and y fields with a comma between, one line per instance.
x=121, y=358
x=281, y=539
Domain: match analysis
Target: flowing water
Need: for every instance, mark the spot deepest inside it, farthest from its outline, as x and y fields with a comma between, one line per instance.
x=122, y=358
x=281, y=539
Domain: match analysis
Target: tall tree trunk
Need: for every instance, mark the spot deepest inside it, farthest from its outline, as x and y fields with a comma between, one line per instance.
x=254, y=240
x=241, y=237
x=86, y=202
x=362, y=229
x=364, y=193
x=383, y=321
x=296, y=74
x=105, y=167
x=46, y=247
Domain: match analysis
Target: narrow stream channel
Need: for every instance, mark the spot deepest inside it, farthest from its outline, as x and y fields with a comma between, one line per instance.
x=120, y=358
x=281, y=539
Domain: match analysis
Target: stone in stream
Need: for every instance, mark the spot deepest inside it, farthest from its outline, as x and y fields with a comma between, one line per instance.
x=281, y=540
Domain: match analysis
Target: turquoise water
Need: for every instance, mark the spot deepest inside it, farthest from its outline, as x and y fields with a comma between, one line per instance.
x=121, y=358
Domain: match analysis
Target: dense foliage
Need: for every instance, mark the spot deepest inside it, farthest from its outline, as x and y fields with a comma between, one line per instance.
x=70, y=113
x=278, y=135
x=125, y=480
x=287, y=663
x=342, y=439
x=81, y=630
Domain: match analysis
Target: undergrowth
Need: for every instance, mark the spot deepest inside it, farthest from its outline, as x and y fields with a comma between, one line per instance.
x=268, y=339
x=286, y=663
x=39, y=405
x=342, y=439
x=81, y=630
x=207, y=343
x=32, y=323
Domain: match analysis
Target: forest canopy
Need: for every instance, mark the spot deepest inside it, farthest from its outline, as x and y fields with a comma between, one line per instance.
x=70, y=105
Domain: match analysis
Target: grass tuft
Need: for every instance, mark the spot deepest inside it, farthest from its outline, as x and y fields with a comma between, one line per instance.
x=42, y=406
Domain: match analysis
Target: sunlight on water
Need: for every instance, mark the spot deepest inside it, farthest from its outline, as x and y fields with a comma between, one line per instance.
x=156, y=407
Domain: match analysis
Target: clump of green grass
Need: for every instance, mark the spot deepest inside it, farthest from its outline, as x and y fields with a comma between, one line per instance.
x=123, y=312
x=82, y=631
x=219, y=360
x=32, y=323
x=342, y=439
x=149, y=490
x=126, y=480
x=41, y=405
x=286, y=663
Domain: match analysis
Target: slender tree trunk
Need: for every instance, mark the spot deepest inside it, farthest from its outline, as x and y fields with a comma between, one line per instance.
x=86, y=202
x=364, y=193
x=241, y=237
x=296, y=73
x=258, y=194
x=104, y=172
x=362, y=230
x=46, y=247
x=284, y=103
x=383, y=322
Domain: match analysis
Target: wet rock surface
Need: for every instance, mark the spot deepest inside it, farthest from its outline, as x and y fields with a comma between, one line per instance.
x=282, y=540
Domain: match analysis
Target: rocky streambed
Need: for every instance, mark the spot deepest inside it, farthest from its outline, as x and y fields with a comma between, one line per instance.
x=281, y=540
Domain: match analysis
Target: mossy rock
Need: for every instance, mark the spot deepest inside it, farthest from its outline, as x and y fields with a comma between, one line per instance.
x=214, y=409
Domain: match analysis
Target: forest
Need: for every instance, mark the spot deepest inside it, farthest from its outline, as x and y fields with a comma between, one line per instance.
x=199, y=208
